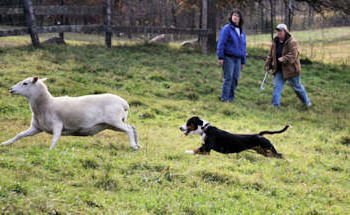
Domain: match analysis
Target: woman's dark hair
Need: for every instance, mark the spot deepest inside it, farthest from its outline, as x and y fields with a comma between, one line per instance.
x=241, y=20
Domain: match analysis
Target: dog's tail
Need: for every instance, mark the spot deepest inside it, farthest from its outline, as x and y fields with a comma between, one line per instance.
x=262, y=133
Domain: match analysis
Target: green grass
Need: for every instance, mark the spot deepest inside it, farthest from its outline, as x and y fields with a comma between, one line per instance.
x=165, y=86
x=329, y=45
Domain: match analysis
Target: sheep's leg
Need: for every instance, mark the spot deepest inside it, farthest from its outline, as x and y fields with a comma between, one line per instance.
x=135, y=136
x=131, y=131
x=30, y=132
x=57, y=130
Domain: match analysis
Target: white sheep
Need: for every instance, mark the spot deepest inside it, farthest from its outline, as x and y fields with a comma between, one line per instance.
x=72, y=116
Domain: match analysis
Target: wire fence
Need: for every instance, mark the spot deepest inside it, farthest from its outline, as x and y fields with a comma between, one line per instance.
x=316, y=42
x=12, y=20
x=124, y=14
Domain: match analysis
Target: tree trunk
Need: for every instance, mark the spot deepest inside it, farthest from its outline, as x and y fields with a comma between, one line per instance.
x=288, y=11
x=161, y=13
x=204, y=12
x=108, y=23
x=166, y=21
x=272, y=18
x=132, y=20
x=211, y=20
x=173, y=12
x=262, y=17
x=311, y=17
x=28, y=8
x=61, y=35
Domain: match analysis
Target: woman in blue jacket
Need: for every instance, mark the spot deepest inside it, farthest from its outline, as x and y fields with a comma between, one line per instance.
x=231, y=52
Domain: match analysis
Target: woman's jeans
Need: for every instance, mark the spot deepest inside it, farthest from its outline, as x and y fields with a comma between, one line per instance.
x=232, y=69
x=278, y=84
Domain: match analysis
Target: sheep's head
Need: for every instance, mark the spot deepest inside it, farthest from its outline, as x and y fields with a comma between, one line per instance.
x=28, y=87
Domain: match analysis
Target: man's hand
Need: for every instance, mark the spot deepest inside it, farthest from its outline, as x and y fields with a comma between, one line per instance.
x=242, y=66
x=281, y=59
x=267, y=68
x=221, y=62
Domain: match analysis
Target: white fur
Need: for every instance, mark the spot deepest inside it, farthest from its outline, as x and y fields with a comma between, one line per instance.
x=189, y=152
x=72, y=116
x=203, y=138
x=199, y=131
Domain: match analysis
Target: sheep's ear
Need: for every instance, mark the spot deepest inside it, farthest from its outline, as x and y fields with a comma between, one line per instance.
x=35, y=79
x=43, y=79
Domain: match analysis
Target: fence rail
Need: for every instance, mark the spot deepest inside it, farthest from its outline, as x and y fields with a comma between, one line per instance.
x=160, y=30
x=69, y=10
x=14, y=32
x=11, y=11
x=57, y=10
x=104, y=28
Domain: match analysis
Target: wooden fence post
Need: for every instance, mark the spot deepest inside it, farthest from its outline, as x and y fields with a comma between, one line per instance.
x=28, y=10
x=108, y=23
x=211, y=22
x=204, y=37
x=61, y=35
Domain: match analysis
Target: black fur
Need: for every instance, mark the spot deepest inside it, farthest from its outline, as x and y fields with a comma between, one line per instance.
x=274, y=132
x=225, y=142
x=196, y=121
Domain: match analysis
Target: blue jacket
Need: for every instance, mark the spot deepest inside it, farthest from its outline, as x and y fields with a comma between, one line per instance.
x=231, y=44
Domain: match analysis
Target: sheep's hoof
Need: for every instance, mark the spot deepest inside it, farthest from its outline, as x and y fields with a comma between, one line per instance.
x=6, y=143
x=137, y=147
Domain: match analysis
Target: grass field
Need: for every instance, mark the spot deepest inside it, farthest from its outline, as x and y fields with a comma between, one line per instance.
x=164, y=87
x=329, y=45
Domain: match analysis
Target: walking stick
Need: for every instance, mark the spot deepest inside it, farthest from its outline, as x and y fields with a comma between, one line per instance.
x=264, y=80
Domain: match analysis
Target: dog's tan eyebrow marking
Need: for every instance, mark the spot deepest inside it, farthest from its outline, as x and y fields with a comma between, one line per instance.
x=190, y=126
x=225, y=142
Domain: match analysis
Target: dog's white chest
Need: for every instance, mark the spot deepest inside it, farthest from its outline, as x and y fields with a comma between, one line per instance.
x=203, y=138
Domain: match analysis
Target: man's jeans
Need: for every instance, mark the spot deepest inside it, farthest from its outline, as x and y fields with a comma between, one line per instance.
x=278, y=84
x=232, y=70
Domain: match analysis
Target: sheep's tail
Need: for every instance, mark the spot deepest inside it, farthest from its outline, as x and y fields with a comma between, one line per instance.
x=126, y=106
x=274, y=132
x=126, y=109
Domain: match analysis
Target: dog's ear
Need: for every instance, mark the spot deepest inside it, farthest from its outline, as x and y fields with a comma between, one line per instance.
x=198, y=121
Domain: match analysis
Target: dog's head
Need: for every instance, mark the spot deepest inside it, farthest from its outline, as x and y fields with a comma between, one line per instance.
x=194, y=125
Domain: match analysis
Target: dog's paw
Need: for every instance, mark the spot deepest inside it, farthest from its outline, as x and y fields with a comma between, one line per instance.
x=189, y=152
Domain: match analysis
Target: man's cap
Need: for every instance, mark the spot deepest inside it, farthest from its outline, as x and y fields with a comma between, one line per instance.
x=282, y=27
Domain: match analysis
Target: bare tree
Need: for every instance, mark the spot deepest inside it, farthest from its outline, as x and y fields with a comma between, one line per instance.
x=329, y=5
x=272, y=17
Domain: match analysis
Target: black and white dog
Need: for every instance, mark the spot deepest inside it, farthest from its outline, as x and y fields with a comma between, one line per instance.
x=225, y=142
